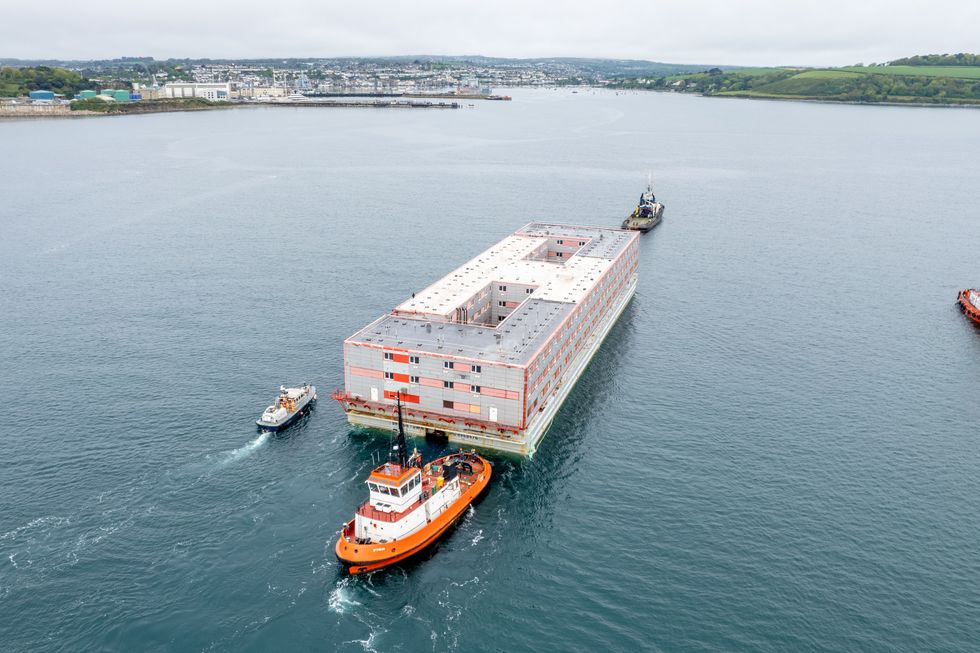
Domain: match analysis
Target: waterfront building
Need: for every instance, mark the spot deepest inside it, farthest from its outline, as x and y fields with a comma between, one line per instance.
x=488, y=354
x=208, y=91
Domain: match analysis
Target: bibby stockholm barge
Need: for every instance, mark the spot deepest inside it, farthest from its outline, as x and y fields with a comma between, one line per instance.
x=488, y=354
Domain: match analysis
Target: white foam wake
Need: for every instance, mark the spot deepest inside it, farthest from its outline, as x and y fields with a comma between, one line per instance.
x=340, y=600
x=245, y=451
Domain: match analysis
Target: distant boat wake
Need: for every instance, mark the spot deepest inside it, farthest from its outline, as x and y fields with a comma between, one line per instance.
x=244, y=451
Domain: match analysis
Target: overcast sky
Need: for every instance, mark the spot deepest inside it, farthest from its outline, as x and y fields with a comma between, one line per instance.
x=752, y=32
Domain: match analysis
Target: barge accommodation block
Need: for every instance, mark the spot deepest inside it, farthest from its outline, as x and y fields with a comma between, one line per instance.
x=488, y=354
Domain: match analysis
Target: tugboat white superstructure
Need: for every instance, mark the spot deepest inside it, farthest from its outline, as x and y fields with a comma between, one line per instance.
x=290, y=405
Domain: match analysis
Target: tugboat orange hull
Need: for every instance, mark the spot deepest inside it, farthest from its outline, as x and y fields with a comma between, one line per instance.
x=971, y=311
x=362, y=558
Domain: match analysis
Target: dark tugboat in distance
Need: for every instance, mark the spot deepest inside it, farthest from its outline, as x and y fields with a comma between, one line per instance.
x=648, y=213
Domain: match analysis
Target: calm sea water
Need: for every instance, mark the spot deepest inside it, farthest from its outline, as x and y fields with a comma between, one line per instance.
x=776, y=448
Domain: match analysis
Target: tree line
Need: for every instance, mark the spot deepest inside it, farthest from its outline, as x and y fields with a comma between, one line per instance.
x=15, y=82
x=958, y=59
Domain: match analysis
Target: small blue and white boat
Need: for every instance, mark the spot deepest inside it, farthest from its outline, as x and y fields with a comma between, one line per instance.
x=290, y=405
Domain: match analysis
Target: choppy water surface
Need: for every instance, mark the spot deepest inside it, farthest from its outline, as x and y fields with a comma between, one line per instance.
x=776, y=449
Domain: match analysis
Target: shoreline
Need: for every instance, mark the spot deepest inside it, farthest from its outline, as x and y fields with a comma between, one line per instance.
x=923, y=105
x=926, y=105
x=53, y=112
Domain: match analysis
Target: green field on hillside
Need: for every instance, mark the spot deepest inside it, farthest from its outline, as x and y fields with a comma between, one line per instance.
x=961, y=72
x=934, y=83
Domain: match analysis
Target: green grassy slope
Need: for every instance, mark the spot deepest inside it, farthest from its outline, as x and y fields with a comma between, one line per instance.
x=933, y=83
x=961, y=72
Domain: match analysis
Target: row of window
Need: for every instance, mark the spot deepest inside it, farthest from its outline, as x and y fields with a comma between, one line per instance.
x=394, y=491
x=476, y=369
x=445, y=384
x=527, y=291
x=581, y=243
x=391, y=377
x=449, y=384
x=389, y=356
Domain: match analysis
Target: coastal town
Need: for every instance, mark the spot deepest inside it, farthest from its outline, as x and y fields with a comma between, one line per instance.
x=101, y=86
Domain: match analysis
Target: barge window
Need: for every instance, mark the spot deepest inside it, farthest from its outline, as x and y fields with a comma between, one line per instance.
x=448, y=365
x=475, y=388
x=502, y=288
x=447, y=384
x=446, y=403
x=476, y=369
x=413, y=379
x=388, y=355
x=561, y=242
x=501, y=303
x=389, y=375
x=414, y=360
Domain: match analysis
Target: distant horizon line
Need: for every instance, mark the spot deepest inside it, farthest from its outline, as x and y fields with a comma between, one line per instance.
x=425, y=56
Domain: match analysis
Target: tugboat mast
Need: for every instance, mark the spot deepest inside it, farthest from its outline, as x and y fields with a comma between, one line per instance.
x=402, y=445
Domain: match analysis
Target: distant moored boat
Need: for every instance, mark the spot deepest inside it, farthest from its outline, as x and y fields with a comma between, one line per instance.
x=969, y=301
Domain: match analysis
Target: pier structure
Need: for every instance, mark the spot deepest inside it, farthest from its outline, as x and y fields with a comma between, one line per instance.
x=487, y=355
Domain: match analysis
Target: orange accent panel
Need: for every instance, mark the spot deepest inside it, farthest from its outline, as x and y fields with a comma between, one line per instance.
x=408, y=399
x=402, y=378
x=399, y=358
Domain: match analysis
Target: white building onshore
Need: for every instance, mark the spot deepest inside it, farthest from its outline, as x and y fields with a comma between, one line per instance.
x=208, y=91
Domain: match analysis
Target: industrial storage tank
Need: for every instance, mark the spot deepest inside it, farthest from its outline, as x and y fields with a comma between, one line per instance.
x=41, y=95
x=120, y=96
x=86, y=95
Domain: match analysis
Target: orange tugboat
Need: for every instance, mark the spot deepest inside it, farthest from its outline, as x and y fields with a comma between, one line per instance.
x=410, y=506
x=970, y=303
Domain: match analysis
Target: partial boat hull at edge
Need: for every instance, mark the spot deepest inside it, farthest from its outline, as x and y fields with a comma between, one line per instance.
x=967, y=306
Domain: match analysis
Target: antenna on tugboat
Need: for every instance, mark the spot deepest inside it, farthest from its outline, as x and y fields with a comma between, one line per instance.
x=402, y=446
